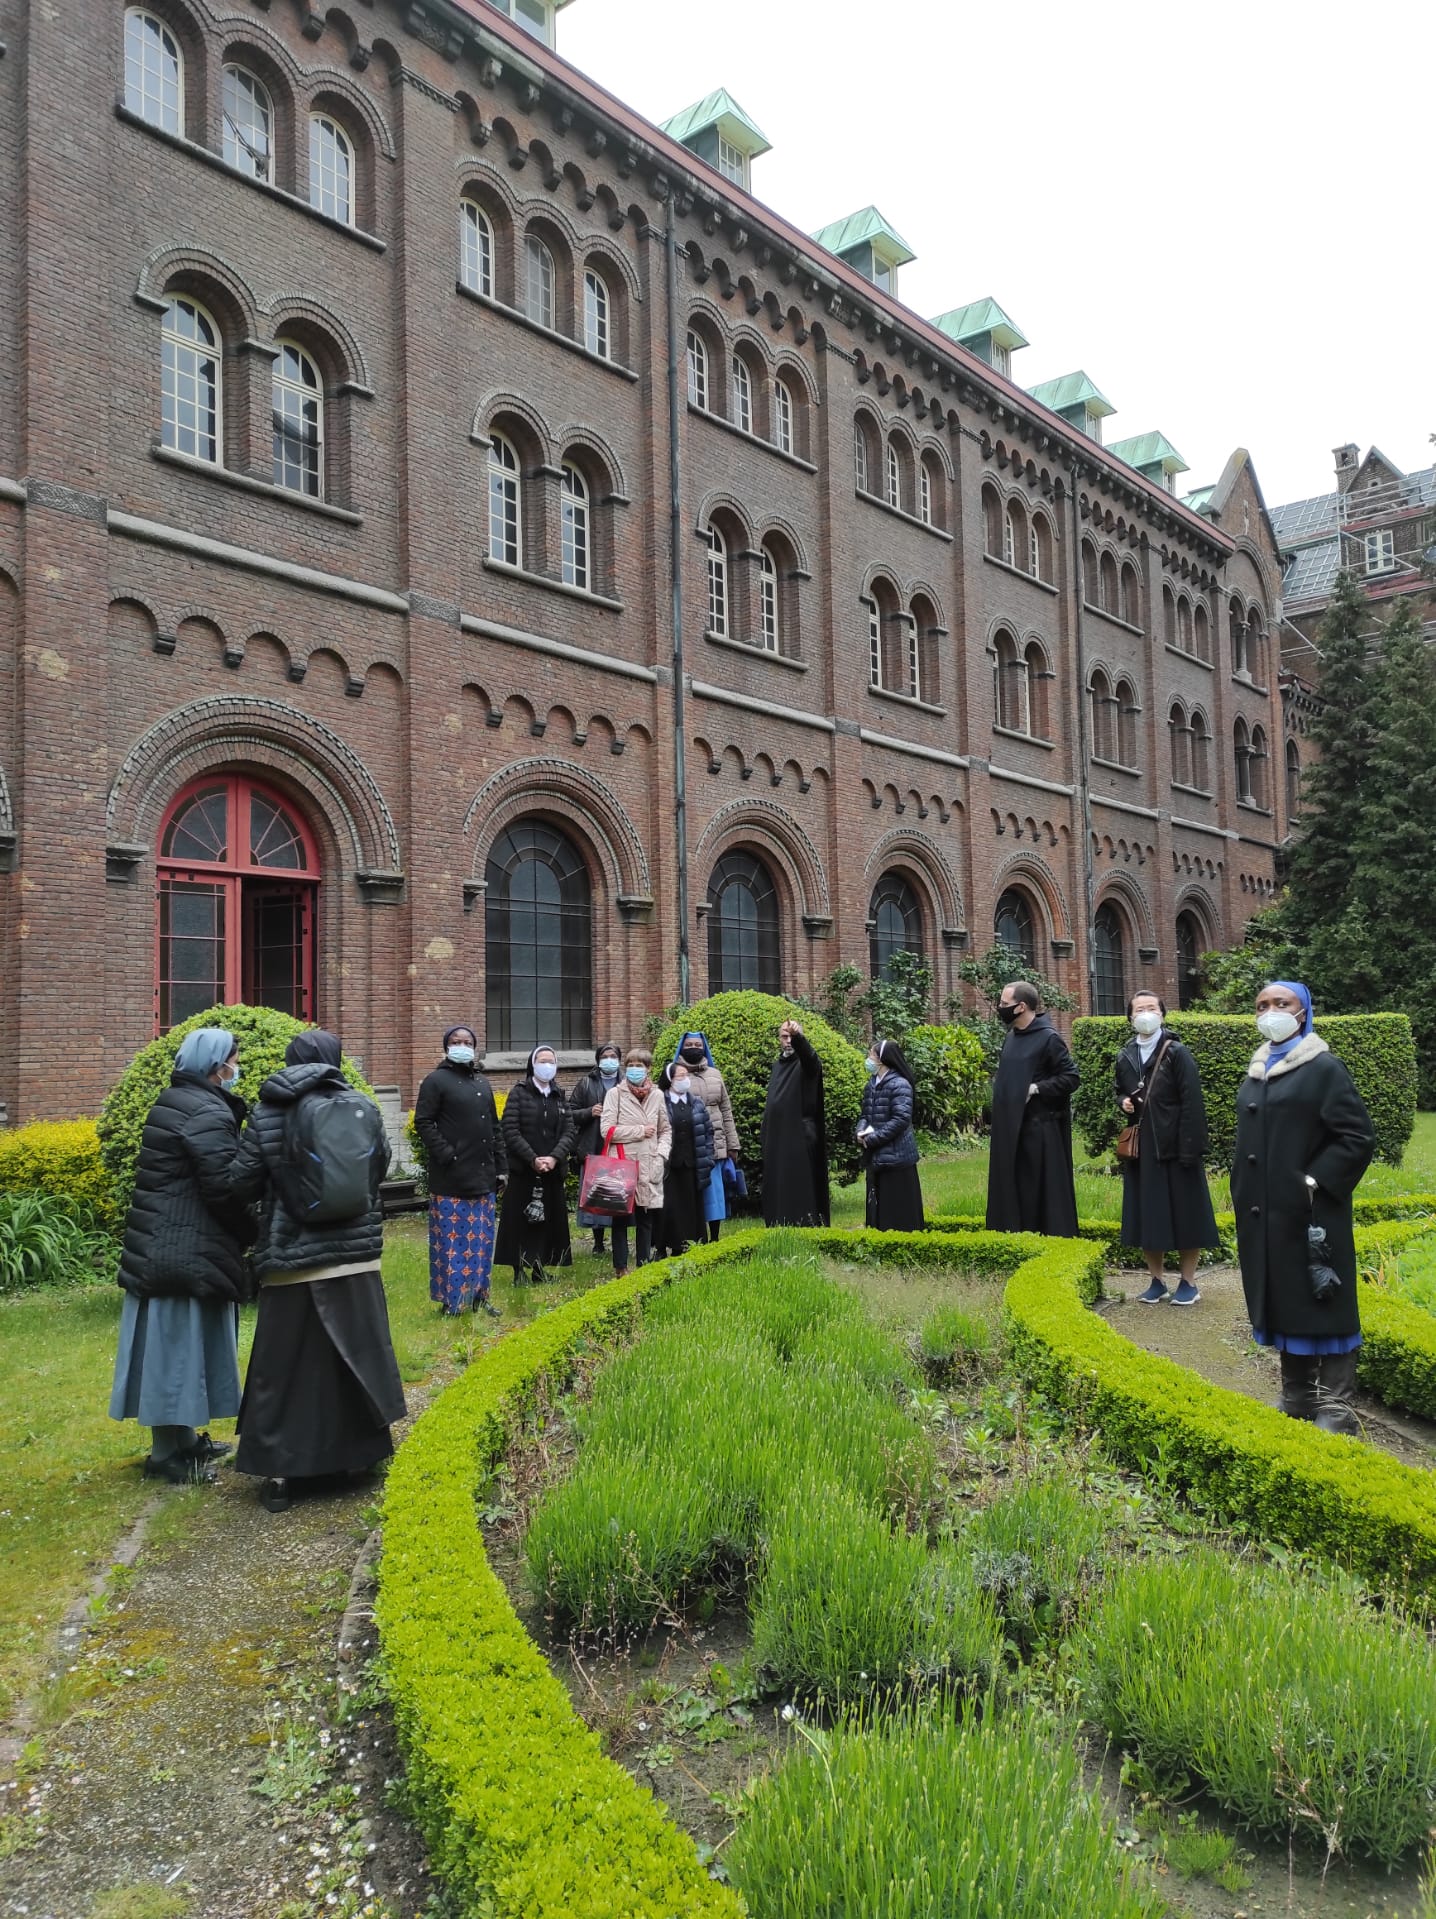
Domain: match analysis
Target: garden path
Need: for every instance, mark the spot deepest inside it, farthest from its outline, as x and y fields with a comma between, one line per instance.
x=1214, y=1339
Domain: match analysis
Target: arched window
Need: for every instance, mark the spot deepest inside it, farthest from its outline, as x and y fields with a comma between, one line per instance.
x=1256, y=648
x=1104, y=714
x=154, y=72
x=770, y=617
x=1039, y=677
x=1242, y=751
x=247, y=113
x=1259, y=795
x=862, y=472
x=538, y=282
x=1201, y=752
x=505, y=519
x=1042, y=547
x=538, y=921
x=1111, y=586
x=1109, y=963
x=1131, y=596
x=875, y=642
x=595, y=314
x=331, y=169
x=1184, y=625
x=924, y=493
x=743, y=950
x=237, y=877
x=575, y=556
x=1238, y=632
x=1014, y=691
x=697, y=370
x=1126, y=714
x=298, y=421
x=1181, y=739
x=717, y=583
x=1013, y=927
x=1190, y=942
x=783, y=416
x=894, y=923
x=1293, y=779
x=924, y=660
x=893, y=470
x=992, y=522
x=742, y=395
x=1202, y=634
x=1015, y=546
x=1169, y=617
x=476, y=249
x=190, y=388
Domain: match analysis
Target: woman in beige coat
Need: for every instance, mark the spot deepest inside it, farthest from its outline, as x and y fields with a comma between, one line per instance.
x=636, y=1114
x=709, y=1086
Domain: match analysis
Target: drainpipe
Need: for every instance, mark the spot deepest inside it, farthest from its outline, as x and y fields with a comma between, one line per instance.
x=675, y=568
x=1084, y=773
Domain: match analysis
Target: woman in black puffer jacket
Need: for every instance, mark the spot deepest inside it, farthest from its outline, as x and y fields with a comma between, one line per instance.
x=182, y=1265
x=323, y=1387
x=539, y=1132
x=889, y=1143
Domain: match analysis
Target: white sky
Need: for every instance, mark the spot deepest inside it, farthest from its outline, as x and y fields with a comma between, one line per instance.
x=1222, y=212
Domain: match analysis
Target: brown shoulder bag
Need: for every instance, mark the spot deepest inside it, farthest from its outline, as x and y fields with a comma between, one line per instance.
x=1129, y=1140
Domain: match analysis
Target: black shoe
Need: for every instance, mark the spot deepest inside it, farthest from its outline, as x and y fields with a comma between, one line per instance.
x=483, y=1306
x=275, y=1497
x=206, y=1448
x=181, y=1469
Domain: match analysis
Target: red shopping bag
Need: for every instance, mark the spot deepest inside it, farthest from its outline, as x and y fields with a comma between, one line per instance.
x=609, y=1183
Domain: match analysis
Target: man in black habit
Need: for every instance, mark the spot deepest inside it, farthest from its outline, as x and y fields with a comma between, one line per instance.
x=1029, y=1173
x=795, y=1146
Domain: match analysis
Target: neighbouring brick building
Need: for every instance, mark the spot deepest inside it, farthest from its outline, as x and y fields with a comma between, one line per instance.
x=372, y=374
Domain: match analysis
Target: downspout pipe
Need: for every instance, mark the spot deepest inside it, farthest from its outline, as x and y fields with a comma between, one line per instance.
x=675, y=572
x=1084, y=762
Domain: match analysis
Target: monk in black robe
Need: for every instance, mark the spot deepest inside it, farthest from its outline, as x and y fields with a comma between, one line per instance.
x=1029, y=1172
x=795, y=1145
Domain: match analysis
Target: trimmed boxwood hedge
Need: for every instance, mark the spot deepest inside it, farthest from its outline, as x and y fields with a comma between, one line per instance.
x=1377, y=1048
x=61, y=1158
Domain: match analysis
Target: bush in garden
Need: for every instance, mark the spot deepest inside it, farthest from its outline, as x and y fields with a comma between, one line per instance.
x=1035, y=1550
x=262, y=1034
x=62, y=1158
x=1376, y=1048
x=1301, y=1711
x=933, y=1812
x=742, y=1031
x=44, y=1241
x=950, y=1079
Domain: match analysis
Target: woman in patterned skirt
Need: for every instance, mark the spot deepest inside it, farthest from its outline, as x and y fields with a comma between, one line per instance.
x=457, y=1120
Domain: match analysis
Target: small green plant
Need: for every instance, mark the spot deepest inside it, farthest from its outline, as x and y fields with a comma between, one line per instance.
x=46, y=1241
x=1303, y=1715
x=295, y=1765
x=145, y=1901
x=1204, y=1852
x=954, y=1345
x=1035, y=1550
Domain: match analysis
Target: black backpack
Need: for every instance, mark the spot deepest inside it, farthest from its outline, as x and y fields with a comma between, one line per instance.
x=330, y=1140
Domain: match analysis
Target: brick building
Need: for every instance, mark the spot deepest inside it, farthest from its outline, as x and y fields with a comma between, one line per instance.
x=462, y=557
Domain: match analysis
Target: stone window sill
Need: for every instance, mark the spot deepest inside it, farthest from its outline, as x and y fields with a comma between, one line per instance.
x=282, y=495
x=1196, y=659
x=755, y=652
x=907, y=700
x=1028, y=739
x=752, y=439
x=1197, y=792
x=518, y=315
x=1246, y=680
x=1032, y=579
x=553, y=586
x=1115, y=618
x=901, y=513
x=1116, y=766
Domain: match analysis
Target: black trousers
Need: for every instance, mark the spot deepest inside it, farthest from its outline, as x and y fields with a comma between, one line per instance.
x=645, y=1218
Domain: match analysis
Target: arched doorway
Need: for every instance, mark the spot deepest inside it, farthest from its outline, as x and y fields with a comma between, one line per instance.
x=895, y=919
x=1014, y=928
x=237, y=881
x=538, y=918
x=743, y=946
x=1109, y=962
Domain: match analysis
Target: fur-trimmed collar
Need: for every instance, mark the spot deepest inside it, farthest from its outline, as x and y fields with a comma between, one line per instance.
x=1310, y=1046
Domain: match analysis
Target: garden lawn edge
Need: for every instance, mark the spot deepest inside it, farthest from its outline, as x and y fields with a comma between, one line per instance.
x=1284, y=1478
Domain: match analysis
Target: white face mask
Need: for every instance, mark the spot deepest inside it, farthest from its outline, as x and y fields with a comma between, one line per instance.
x=1277, y=1026
x=1145, y=1024
x=544, y=1070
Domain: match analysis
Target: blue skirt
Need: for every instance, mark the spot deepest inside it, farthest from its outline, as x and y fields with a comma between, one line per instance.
x=178, y=1362
x=715, y=1198
x=461, y=1251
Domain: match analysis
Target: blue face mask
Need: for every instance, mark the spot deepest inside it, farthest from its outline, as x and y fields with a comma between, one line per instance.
x=635, y=1075
x=462, y=1055
x=609, y=1068
x=872, y=1067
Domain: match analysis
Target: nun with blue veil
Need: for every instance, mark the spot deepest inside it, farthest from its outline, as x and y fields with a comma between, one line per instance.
x=182, y=1265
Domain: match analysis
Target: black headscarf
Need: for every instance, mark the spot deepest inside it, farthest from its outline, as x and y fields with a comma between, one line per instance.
x=888, y=1053
x=609, y=1046
x=461, y=1028
x=315, y=1048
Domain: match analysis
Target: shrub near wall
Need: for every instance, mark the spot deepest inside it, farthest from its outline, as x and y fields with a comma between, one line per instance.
x=1376, y=1048
x=60, y=1158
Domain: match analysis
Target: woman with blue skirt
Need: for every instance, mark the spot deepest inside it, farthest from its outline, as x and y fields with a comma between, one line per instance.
x=457, y=1119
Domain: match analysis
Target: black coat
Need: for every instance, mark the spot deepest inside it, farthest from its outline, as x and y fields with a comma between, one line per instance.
x=887, y=1108
x=1174, y=1115
x=1029, y=1175
x=590, y=1092
x=186, y=1231
x=1306, y=1118
x=456, y=1118
x=794, y=1144
x=286, y=1245
x=536, y=1126
x=699, y=1130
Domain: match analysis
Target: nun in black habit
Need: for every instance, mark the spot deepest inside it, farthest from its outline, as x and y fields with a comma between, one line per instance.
x=794, y=1144
x=1029, y=1173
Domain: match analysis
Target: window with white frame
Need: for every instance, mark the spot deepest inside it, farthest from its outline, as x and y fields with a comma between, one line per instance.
x=575, y=531
x=782, y=416
x=1009, y=539
x=476, y=249
x=248, y=130
x=538, y=281
x=742, y=394
x=595, y=314
x=924, y=493
x=860, y=460
x=914, y=659
x=190, y=389
x=768, y=602
x=732, y=162
x=154, y=72
x=875, y=643
x=505, y=534
x=1380, y=551
x=298, y=422
x=331, y=169
x=534, y=16
x=1002, y=360
x=697, y=370
x=894, y=476
x=717, y=583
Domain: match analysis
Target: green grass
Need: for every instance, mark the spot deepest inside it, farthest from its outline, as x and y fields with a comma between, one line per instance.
x=1036, y=1549
x=1302, y=1712
x=933, y=1817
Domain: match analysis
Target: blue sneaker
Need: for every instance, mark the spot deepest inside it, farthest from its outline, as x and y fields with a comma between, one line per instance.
x=1154, y=1294
x=1186, y=1294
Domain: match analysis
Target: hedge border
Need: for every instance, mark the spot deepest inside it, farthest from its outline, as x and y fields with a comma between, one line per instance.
x=524, y=1815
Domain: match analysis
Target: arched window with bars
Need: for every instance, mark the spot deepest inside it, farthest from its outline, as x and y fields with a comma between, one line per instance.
x=298, y=421
x=1109, y=966
x=576, y=555
x=505, y=502
x=247, y=123
x=895, y=923
x=538, y=935
x=744, y=952
x=476, y=249
x=154, y=71
x=191, y=388
x=1014, y=926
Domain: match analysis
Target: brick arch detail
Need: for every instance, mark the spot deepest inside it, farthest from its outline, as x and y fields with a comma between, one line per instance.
x=1043, y=881
x=203, y=263
x=922, y=852
x=762, y=823
x=285, y=308
x=1119, y=887
x=522, y=409
x=1197, y=901
x=231, y=727
x=575, y=794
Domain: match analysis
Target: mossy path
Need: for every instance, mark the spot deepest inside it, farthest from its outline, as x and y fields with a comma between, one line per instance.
x=1214, y=1339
